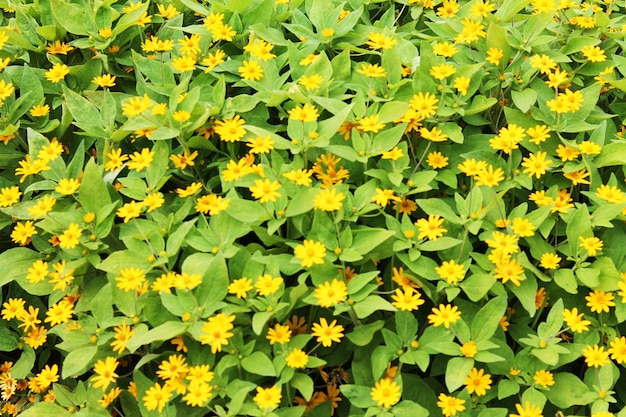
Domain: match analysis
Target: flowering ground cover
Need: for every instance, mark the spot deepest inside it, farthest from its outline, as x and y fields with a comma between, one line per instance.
x=312, y=208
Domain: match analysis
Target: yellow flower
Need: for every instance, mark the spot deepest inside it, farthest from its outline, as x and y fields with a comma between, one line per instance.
x=267, y=285
x=448, y=8
x=310, y=252
x=386, y=393
x=22, y=232
x=330, y=294
x=181, y=116
x=618, y=349
x=599, y=301
x=213, y=59
x=6, y=89
x=260, y=49
x=59, y=48
x=436, y=160
x=430, y=228
x=589, y=148
x=394, y=154
x=69, y=238
x=167, y=12
x=549, y=260
x=442, y=71
x=543, y=63
x=445, y=315
x=407, y=299
x=509, y=269
x=115, y=160
x=377, y=40
x=141, y=160
x=489, y=177
x=136, y=105
x=104, y=80
x=494, y=55
x=311, y=82
x=596, y=356
x=462, y=84
x=184, y=63
x=445, y=49
x=543, y=378
x=9, y=196
x=106, y=33
x=123, y=333
x=327, y=333
x=306, y=113
x=279, y=334
x=240, y=287
x=250, y=70
x=451, y=272
x=130, y=210
x=157, y=397
x=59, y=313
x=297, y=359
x=105, y=372
x=593, y=53
x=39, y=110
x=383, y=197
x=265, y=190
x=216, y=331
x=372, y=70
x=67, y=186
x=591, y=244
x=131, y=279
x=370, y=124
x=212, y=204
x=528, y=410
x=231, y=130
x=424, y=104
x=57, y=73
x=190, y=190
x=222, y=32
x=477, y=382
x=450, y=405
x=267, y=398
x=328, y=32
x=299, y=176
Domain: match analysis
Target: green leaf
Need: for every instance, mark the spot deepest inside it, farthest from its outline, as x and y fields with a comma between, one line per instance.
x=487, y=319
x=552, y=325
x=358, y=395
x=71, y=17
x=525, y=293
x=480, y=104
x=406, y=325
x=77, y=361
x=568, y=390
x=8, y=340
x=409, y=408
x=457, y=371
x=165, y=331
x=476, y=286
x=371, y=304
x=439, y=244
x=524, y=99
x=565, y=279
x=259, y=364
x=367, y=239
x=363, y=334
x=612, y=154
x=86, y=115
x=304, y=384
x=93, y=193
x=101, y=305
x=45, y=409
x=214, y=273
x=579, y=225
x=507, y=388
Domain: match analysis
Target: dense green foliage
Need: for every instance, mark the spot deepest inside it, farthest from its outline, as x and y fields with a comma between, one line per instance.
x=312, y=208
